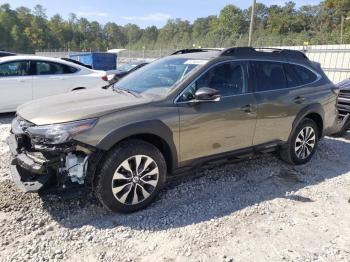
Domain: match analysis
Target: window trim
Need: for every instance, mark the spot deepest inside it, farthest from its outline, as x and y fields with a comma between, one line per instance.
x=16, y=61
x=319, y=77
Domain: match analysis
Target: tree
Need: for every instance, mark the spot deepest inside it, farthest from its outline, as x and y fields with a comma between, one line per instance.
x=230, y=25
x=25, y=30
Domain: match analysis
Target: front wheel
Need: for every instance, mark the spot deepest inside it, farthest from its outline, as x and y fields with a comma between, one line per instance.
x=303, y=143
x=131, y=176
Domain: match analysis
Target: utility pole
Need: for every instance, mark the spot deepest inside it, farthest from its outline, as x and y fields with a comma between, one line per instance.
x=251, y=27
x=341, y=29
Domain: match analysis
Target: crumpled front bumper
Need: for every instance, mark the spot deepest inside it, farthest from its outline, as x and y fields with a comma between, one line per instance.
x=28, y=173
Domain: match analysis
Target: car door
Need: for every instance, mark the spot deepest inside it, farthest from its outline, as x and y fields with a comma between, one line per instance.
x=15, y=85
x=210, y=128
x=51, y=79
x=280, y=96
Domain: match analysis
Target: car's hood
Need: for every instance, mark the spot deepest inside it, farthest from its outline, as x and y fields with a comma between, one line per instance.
x=82, y=104
x=345, y=84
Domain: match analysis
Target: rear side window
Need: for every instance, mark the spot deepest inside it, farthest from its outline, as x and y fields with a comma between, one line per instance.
x=50, y=68
x=305, y=75
x=16, y=68
x=293, y=79
x=269, y=76
x=69, y=69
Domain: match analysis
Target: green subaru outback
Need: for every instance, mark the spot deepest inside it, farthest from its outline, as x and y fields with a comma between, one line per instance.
x=193, y=107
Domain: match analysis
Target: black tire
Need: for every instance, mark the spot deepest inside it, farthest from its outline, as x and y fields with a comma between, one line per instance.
x=113, y=161
x=288, y=152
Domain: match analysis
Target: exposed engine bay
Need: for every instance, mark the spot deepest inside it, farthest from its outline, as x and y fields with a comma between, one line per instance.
x=37, y=163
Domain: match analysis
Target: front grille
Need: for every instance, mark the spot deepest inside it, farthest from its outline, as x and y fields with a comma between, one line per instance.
x=343, y=103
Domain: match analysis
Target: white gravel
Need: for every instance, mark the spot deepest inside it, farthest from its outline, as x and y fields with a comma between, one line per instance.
x=256, y=210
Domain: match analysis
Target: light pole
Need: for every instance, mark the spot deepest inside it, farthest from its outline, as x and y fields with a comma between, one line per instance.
x=251, y=26
x=343, y=18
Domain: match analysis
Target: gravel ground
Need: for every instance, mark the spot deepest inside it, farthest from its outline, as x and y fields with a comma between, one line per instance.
x=256, y=210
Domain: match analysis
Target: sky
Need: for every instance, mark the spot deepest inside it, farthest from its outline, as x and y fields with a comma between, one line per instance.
x=141, y=12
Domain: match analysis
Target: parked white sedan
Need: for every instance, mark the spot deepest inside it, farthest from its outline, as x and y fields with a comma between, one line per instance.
x=24, y=78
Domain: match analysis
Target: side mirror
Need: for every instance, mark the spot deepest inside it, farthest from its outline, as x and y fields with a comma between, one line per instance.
x=206, y=94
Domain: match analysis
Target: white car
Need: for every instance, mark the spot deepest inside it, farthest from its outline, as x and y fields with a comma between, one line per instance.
x=24, y=78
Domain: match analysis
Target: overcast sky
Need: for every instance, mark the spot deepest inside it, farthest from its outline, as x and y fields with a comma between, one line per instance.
x=140, y=12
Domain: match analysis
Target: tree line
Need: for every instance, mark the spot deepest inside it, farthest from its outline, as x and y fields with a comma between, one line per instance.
x=26, y=30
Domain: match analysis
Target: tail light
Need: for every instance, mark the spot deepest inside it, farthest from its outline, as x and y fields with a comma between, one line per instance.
x=105, y=78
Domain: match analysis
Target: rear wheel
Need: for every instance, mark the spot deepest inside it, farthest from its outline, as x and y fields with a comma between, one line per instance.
x=131, y=176
x=302, y=144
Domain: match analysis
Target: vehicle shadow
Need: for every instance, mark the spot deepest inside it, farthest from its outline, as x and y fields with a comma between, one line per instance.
x=6, y=118
x=213, y=193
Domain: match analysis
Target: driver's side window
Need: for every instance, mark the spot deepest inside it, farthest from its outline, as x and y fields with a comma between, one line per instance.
x=228, y=78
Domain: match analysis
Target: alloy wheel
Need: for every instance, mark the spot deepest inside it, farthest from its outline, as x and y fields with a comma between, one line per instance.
x=135, y=179
x=305, y=142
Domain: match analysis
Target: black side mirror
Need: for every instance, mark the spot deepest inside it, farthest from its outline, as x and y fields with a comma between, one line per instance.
x=204, y=94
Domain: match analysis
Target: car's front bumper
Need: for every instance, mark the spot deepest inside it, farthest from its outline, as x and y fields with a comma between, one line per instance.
x=29, y=174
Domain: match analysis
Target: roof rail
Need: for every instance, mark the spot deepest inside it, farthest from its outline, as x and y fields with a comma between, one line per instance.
x=195, y=50
x=239, y=51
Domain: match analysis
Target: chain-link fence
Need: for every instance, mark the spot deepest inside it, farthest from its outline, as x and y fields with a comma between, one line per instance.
x=334, y=59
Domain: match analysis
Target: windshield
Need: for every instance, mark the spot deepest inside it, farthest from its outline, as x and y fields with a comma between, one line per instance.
x=160, y=76
x=127, y=67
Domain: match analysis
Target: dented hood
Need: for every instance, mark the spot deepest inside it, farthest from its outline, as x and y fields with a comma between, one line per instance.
x=77, y=105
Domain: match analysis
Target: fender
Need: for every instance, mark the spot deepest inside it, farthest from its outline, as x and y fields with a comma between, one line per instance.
x=310, y=109
x=151, y=127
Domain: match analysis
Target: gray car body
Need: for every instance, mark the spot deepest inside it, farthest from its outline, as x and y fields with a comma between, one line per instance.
x=190, y=132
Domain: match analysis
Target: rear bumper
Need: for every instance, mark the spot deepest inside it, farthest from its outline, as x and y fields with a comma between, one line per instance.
x=30, y=175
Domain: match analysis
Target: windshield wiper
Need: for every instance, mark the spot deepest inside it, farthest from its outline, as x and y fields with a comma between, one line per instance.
x=119, y=90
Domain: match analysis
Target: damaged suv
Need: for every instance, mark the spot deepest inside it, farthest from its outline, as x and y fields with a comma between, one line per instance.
x=193, y=107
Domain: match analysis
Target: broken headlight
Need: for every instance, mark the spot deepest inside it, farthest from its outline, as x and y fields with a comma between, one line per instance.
x=59, y=133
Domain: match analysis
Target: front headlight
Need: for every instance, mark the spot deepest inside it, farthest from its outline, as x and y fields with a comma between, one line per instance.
x=59, y=133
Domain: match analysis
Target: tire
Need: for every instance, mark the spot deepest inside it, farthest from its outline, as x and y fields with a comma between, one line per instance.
x=293, y=151
x=147, y=181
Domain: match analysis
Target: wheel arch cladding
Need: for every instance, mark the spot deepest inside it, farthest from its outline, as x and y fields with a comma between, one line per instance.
x=154, y=132
x=314, y=112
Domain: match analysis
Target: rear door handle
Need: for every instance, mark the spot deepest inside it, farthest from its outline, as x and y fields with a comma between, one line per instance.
x=247, y=108
x=299, y=99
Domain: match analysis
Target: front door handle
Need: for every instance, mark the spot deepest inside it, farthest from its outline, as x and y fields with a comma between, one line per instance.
x=247, y=109
x=299, y=99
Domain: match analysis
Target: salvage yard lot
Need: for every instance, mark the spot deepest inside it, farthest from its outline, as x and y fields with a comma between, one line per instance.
x=254, y=210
